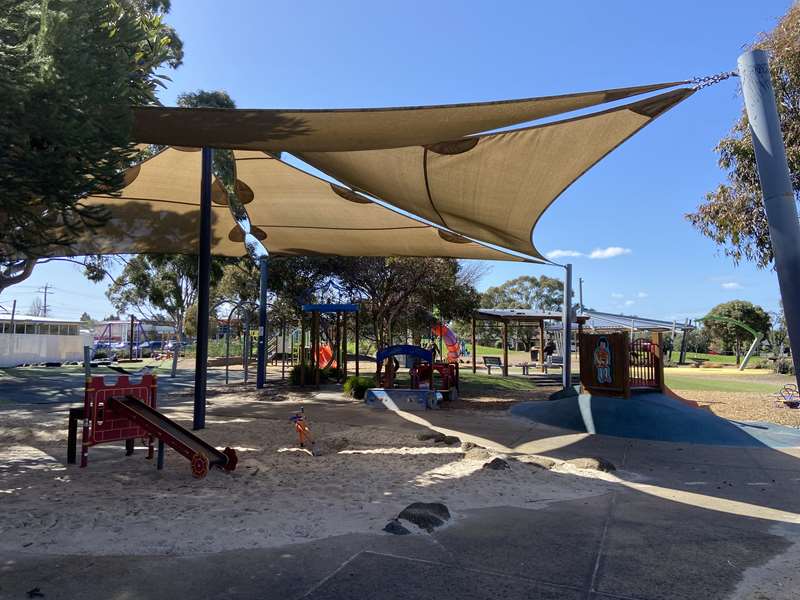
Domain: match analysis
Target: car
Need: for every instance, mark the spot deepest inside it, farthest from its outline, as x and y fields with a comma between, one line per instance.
x=147, y=348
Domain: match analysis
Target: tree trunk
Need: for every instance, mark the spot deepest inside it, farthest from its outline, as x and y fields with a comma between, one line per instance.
x=738, y=352
x=176, y=350
x=15, y=272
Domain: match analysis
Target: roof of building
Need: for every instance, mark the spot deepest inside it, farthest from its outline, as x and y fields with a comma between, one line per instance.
x=34, y=319
x=520, y=315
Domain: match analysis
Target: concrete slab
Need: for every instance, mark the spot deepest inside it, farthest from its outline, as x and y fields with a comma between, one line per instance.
x=283, y=573
x=657, y=549
x=556, y=544
x=399, y=578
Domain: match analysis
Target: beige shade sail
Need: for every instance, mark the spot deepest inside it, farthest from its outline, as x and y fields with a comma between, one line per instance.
x=353, y=129
x=294, y=213
x=494, y=187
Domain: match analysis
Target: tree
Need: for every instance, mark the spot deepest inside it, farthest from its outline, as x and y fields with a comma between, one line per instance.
x=730, y=335
x=36, y=308
x=156, y=284
x=72, y=71
x=733, y=215
x=87, y=319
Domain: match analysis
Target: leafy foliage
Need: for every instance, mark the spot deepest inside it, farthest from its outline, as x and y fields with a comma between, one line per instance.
x=733, y=215
x=730, y=335
x=153, y=285
x=70, y=70
x=356, y=387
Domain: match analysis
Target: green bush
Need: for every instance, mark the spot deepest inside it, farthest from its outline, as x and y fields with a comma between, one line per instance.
x=784, y=366
x=332, y=373
x=356, y=387
x=310, y=373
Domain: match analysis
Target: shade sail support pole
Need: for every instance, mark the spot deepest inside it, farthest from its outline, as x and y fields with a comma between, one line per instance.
x=203, y=292
x=776, y=185
x=566, y=369
x=261, y=358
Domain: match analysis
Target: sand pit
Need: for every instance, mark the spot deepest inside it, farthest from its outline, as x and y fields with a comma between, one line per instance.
x=278, y=494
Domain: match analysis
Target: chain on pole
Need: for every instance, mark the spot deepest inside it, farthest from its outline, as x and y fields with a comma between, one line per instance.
x=698, y=83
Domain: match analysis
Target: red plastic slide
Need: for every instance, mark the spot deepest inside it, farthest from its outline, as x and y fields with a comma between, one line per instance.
x=450, y=341
x=325, y=357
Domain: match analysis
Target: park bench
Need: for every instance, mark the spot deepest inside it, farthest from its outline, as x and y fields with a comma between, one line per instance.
x=787, y=397
x=492, y=361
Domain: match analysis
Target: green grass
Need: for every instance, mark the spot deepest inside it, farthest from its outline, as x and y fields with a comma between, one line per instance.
x=717, y=384
x=479, y=382
x=724, y=359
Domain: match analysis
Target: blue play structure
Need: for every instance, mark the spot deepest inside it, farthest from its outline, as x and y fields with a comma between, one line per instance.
x=421, y=395
x=654, y=416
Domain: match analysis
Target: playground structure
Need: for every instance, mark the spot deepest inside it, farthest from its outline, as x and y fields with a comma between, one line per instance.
x=125, y=411
x=613, y=364
x=333, y=354
x=450, y=340
x=421, y=371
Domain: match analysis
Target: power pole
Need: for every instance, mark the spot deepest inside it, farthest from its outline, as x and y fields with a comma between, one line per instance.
x=45, y=290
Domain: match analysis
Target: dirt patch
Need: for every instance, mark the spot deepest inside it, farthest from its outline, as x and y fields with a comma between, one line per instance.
x=744, y=406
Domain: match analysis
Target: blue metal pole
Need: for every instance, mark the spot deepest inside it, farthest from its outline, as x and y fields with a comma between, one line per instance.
x=566, y=368
x=776, y=185
x=203, y=292
x=262, y=323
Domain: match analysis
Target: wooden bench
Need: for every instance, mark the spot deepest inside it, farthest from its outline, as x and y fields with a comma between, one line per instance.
x=492, y=361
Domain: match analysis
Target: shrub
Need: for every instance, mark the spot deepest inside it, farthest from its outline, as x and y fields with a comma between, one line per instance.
x=784, y=366
x=310, y=373
x=332, y=373
x=356, y=387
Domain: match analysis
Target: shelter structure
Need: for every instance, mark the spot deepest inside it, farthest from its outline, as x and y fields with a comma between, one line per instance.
x=456, y=177
x=517, y=317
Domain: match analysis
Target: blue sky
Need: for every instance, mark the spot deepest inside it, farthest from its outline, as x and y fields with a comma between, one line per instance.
x=353, y=54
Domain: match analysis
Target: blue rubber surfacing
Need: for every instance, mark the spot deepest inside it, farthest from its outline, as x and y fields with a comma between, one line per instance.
x=654, y=416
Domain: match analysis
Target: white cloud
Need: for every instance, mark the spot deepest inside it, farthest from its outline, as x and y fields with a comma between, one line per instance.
x=610, y=252
x=597, y=253
x=731, y=285
x=617, y=295
x=642, y=295
x=563, y=253
x=629, y=302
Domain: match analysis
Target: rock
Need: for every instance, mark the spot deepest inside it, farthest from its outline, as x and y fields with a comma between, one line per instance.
x=467, y=446
x=477, y=453
x=333, y=445
x=434, y=436
x=592, y=464
x=449, y=440
x=425, y=515
x=496, y=464
x=537, y=461
x=396, y=527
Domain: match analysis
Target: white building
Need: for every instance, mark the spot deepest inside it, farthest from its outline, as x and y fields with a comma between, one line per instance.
x=27, y=339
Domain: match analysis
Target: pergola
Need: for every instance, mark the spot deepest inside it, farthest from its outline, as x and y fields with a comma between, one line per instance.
x=514, y=316
x=461, y=181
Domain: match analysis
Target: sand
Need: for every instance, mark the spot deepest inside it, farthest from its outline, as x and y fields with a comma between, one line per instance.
x=278, y=495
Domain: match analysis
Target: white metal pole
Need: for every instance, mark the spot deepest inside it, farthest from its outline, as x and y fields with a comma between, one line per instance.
x=776, y=185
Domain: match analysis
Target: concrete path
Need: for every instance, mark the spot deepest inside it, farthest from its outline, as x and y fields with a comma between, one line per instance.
x=683, y=521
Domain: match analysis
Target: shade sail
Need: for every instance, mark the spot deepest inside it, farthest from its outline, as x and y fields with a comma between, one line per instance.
x=353, y=129
x=493, y=187
x=301, y=214
x=158, y=212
